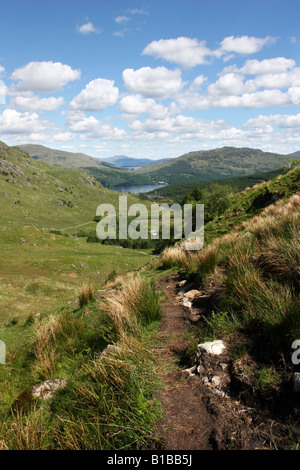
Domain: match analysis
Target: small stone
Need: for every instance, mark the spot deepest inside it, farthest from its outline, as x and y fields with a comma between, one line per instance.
x=189, y=372
x=216, y=380
x=211, y=347
x=187, y=303
x=181, y=283
x=205, y=381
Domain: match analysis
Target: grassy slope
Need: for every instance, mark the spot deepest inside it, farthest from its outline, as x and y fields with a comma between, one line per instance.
x=103, y=172
x=252, y=201
x=176, y=192
x=213, y=164
x=39, y=269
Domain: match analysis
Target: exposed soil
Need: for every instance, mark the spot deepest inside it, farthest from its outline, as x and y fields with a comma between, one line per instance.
x=214, y=406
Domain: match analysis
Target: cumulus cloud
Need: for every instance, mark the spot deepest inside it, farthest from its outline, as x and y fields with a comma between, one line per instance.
x=158, y=82
x=245, y=44
x=97, y=95
x=184, y=51
x=88, y=28
x=13, y=122
x=266, y=66
x=63, y=137
x=2, y=70
x=31, y=102
x=285, y=121
x=137, y=104
x=44, y=76
x=279, y=80
x=90, y=128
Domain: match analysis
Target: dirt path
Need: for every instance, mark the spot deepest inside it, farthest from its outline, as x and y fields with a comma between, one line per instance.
x=197, y=416
x=186, y=423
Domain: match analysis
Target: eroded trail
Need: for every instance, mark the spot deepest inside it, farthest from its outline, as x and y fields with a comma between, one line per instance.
x=185, y=423
x=197, y=416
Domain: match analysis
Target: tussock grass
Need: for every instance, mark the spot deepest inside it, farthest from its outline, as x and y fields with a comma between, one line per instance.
x=173, y=257
x=86, y=295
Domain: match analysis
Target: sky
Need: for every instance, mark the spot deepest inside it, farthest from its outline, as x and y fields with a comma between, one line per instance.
x=151, y=79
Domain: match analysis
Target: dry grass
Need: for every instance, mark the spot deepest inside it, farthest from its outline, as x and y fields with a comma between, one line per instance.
x=173, y=256
x=25, y=432
x=86, y=295
x=44, y=346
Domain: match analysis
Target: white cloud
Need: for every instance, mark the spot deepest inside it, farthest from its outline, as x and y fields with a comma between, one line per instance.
x=63, y=137
x=90, y=128
x=13, y=122
x=230, y=84
x=44, y=76
x=122, y=19
x=2, y=70
x=279, y=80
x=31, y=102
x=284, y=121
x=245, y=44
x=88, y=28
x=184, y=51
x=158, y=83
x=267, y=66
x=136, y=104
x=97, y=95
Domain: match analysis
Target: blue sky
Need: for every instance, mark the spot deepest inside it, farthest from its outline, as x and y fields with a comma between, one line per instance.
x=150, y=79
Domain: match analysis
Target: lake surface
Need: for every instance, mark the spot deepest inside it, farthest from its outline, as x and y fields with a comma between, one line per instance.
x=139, y=188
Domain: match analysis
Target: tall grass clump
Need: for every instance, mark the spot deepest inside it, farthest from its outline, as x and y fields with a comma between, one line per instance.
x=133, y=304
x=279, y=250
x=201, y=264
x=174, y=256
x=85, y=296
x=270, y=307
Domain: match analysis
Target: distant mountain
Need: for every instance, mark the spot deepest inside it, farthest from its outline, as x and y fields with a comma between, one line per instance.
x=295, y=155
x=201, y=165
x=68, y=160
x=213, y=164
x=122, y=161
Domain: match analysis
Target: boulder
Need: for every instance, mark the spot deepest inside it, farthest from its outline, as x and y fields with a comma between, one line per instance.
x=47, y=389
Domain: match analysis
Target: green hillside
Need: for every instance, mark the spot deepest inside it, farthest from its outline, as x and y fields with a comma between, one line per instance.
x=43, y=208
x=176, y=192
x=213, y=164
x=104, y=172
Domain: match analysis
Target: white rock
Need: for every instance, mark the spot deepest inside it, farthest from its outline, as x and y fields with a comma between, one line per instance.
x=190, y=371
x=186, y=303
x=216, y=380
x=47, y=389
x=191, y=294
x=211, y=347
